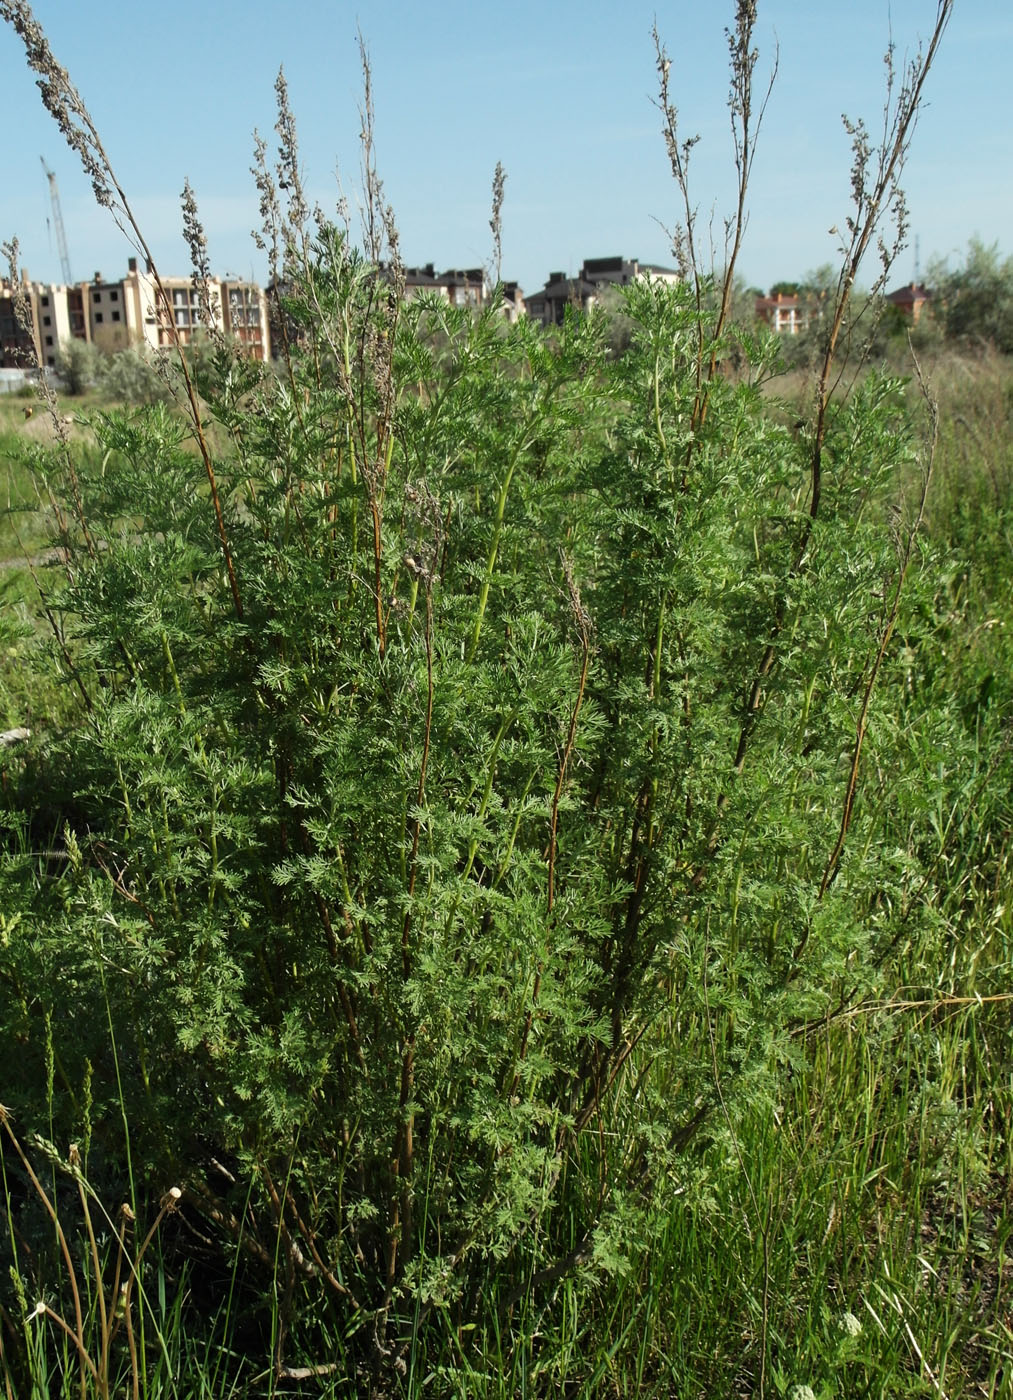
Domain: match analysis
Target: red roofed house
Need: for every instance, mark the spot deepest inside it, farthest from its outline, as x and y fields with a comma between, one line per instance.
x=910, y=300
x=784, y=312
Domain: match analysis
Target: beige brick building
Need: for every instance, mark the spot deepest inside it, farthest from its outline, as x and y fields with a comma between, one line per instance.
x=240, y=309
x=115, y=315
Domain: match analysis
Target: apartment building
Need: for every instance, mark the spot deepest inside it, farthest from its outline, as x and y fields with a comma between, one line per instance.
x=549, y=305
x=596, y=276
x=59, y=315
x=238, y=308
x=106, y=314
x=463, y=287
x=18, y=346
x=159, y=323
x=114, y=315
x=459, y=286
x=603, y=272
x=56, y=314
x=245, y=318
x=514, y=305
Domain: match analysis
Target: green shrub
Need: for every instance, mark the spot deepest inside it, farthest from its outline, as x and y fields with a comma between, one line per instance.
x=79, y=364
x=489, y=766
x=129, y=377
x=974, y=302
x=451, y=848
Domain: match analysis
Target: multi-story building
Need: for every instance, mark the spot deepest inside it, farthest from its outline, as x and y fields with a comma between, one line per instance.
x=56, y=314
x=549, y=305
x=786, y=313
x=467, y=287
x=114, y=315
x=180, y=316
x=461, y=287
x=595, y=276
x=146, y=325
x=105, y=304
x=59, y=315
x=422, y=279
x=245, y=318
x=238, y=308
x=604, y=272
x=160, y=318
x=18, y=343
x=514, y=305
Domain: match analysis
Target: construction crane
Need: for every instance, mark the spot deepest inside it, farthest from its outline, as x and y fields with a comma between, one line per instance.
x=61, y=237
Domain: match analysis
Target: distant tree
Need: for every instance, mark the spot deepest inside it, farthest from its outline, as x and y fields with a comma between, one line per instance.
x=818, y=290
x=975, y=302
x=129, y=377
x=743, y=303
x=78, y=365
x=620, y=322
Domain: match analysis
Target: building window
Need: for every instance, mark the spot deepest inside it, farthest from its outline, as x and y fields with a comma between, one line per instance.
x=114, y=296
x=116, y=315
x=49, y=340
x=96, y=296
x=98, y=315
x=45, y=301
x=47, y=320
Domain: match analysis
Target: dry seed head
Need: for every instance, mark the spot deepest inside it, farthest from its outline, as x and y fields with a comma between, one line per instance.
x=496, y=222
x=581, y=618
x=19, y=296
x=267, y=238
x=289, y=177
x=61, y=98
x=196, y=240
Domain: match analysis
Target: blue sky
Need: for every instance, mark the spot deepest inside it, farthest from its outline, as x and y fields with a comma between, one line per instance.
x=559, y=91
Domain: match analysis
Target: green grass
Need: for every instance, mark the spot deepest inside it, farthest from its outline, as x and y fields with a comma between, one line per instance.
x=18, y=500
x=877, y=1192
